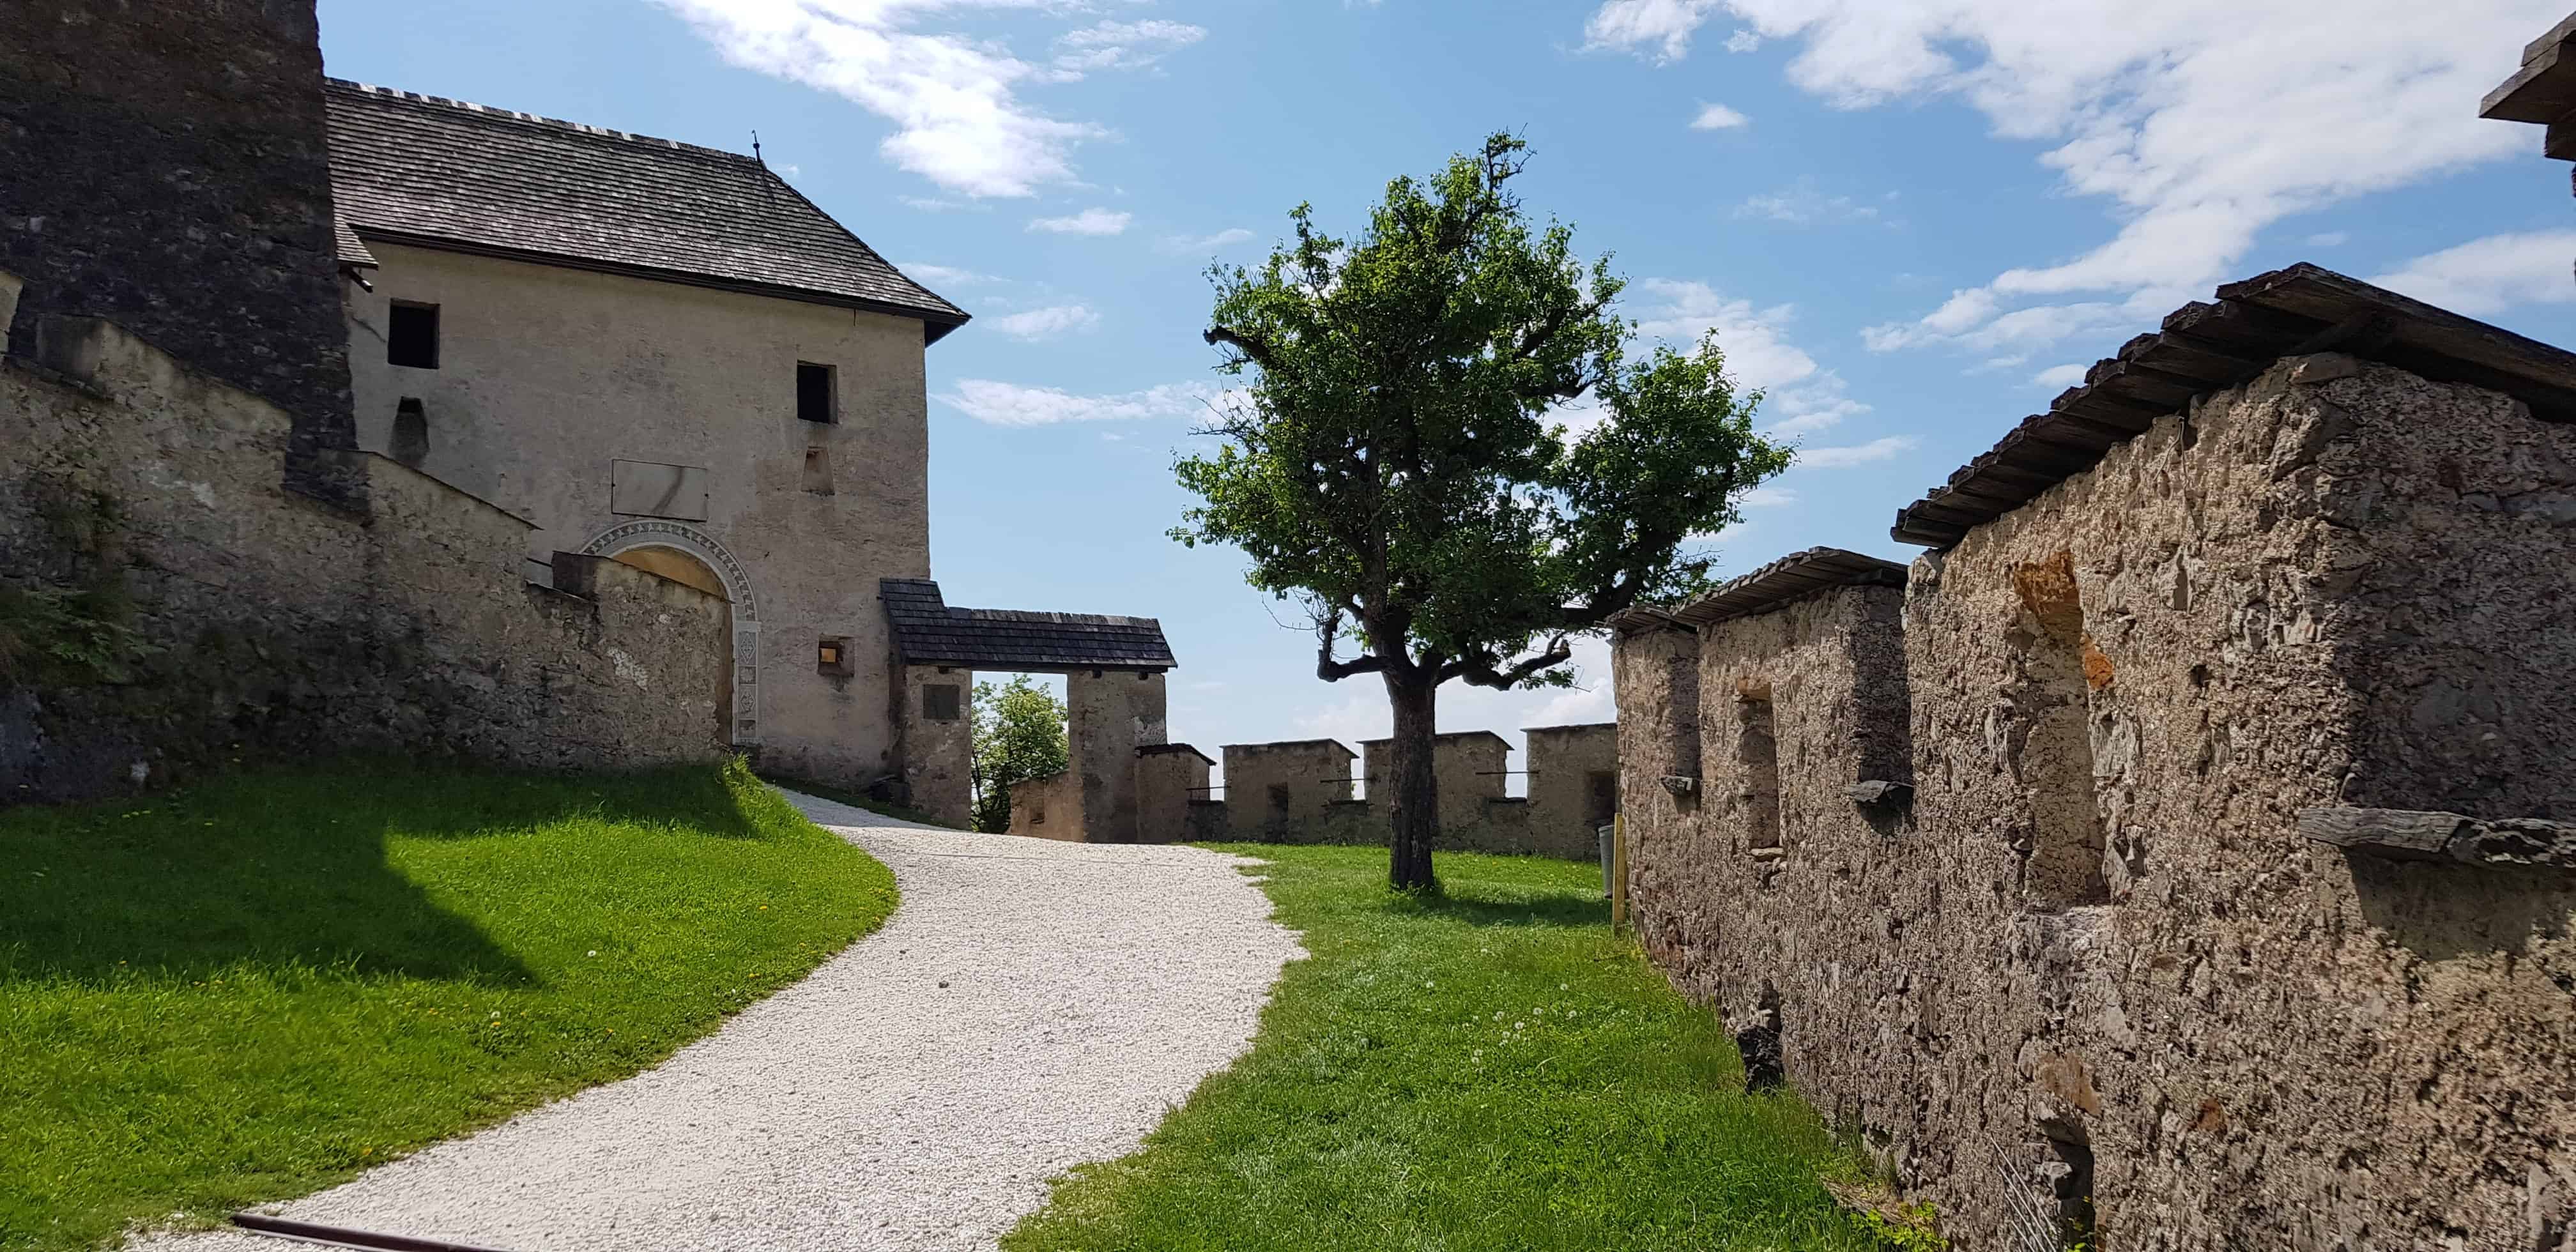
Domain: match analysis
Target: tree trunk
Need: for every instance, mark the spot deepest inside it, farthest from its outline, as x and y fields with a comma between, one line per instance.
x=1415, y=806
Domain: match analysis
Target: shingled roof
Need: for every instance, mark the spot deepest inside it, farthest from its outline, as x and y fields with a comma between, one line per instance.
x=2208, y=347
x=445, y=174
x=1792, y=577
x=928, y=632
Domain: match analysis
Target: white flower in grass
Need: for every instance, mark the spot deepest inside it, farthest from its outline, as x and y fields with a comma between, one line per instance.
x=1498, y=1015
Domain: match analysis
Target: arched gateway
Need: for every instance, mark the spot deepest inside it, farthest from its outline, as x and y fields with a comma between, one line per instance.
x=685, y=554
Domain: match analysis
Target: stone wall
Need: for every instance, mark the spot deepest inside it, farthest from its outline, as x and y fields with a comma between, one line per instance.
x=1049, y=808
x=934, y=725
x=167, y=168
x=1108, y=715
x=1278, y=792
x=1299, y=792
x=1170, y=779
x=2095, y=969
x=1573, y=787
x=1467, y=770
x=142, y=511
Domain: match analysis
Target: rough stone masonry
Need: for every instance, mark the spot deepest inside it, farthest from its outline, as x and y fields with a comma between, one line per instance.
x=2174, y=857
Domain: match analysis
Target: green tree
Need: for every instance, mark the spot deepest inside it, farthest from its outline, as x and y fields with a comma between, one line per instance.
x=1392, y=463
x=1019, y=735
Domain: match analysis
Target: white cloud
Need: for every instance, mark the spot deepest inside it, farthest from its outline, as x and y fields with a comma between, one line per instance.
x=931, y=204
x=1743, y=41
x=952, y=98
x=1666, y=24
x=2491, y=274
x=2144, y=106
x=1803, y=205
x=1718, y=117
x=2059, y=377
x=2329, y=239
x=1047, y=323
x=1858, y=454
x=1087, y=222
x=1800, y=397
x=1768, y=498
x=1122, y=45
x=926, y=272
x=1010, y=404
x=1206, y=243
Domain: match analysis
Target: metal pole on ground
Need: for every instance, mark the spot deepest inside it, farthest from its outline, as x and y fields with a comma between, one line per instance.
x=1619, y=874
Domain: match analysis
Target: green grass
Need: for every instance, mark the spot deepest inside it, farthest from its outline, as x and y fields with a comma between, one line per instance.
x=1492, y=1070
x=250, y=989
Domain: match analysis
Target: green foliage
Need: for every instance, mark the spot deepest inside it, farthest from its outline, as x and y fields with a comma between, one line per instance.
x=1484, y=1068
x=250, y=989
x=1907, y=1227
x=1395, y=463
x=51, y=635
x=1019, y=735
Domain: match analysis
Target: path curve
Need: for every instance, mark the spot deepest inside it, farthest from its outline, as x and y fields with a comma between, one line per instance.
x=1031, y=1005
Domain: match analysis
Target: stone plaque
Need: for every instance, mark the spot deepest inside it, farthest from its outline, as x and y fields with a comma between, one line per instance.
x=646, y=489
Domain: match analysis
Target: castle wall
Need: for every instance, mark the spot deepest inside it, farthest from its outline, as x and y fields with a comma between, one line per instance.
x=1282, y=792
x=2096, y=963
x=554, y=383
x=1170, y=779
x=1467, y=770
x=1049, y=807
x=934, y=720
x=1573, y=788
x=1108, y=715
x=232, y=617
x=171, y=173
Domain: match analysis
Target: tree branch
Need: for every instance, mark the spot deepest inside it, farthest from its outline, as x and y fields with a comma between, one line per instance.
x=1258, y=351
x=1328, y=630
x=1480, y=670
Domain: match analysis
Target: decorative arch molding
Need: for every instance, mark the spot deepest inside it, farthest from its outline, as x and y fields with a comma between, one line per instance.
x=679, y=537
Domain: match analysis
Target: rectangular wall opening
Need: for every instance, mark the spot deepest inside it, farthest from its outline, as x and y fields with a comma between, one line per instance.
x=1757, y=753
x=817, y=398
x=1600, y=797
x=411, y=336
x=2052, y=714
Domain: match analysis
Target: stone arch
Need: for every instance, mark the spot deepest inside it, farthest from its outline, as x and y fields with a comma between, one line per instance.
x=707, y=551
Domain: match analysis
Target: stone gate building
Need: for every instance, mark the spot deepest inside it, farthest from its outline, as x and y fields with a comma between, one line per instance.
x=2173, y=854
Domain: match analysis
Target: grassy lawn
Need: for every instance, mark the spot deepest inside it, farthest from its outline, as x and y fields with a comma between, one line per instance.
x=250, y=989
x=1488, y=1071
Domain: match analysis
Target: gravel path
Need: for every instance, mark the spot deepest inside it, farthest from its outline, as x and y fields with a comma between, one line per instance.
x=1031, y=1005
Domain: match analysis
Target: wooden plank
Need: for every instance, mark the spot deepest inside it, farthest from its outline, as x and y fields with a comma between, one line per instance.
x=2398, y=834
x=2178, y=355
x=2430, y=336
x=2134, y=380
x=2558, y=34
x=2543, y=90
x=2104, y=407
x=2558, y=143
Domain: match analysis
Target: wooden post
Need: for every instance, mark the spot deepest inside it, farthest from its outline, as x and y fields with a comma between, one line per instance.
x=1618, y=873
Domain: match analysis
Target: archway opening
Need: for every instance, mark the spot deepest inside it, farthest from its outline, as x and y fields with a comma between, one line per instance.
x=687, y=570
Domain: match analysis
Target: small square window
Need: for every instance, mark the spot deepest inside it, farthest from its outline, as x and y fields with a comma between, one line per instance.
x=816, y=396
x=939, y=702
x=832, y=655
x=411, y=336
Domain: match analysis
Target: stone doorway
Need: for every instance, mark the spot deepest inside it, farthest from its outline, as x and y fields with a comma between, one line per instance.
x=689, y=556
x=689, y=571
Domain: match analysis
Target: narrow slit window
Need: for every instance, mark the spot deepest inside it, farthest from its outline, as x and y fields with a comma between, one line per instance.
x=411, y=336
x=2053, y=737
x=1601, y=797
x=1758, y=754
x=816, y=398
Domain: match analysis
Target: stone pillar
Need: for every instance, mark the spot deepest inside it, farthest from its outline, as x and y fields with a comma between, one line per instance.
x=1573, y=786
x=1108, y=715
x=933, y=725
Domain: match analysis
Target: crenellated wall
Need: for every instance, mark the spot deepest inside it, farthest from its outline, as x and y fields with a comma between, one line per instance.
x=2097, y=971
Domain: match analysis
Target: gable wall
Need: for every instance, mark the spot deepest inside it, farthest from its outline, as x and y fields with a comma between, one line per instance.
x=547, y=375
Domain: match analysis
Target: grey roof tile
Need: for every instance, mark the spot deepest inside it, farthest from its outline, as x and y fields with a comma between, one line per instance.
x=929, y=632
x=408, y=168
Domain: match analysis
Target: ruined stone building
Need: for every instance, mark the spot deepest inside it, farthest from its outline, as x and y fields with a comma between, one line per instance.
x=2172, y=855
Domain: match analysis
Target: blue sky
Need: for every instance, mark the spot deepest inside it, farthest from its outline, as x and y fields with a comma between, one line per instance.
x=1908, y=220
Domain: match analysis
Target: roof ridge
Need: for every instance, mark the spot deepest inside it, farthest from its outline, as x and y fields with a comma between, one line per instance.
x=493, y=113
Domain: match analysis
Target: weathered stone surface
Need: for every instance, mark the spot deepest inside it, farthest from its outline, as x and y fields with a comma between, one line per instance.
x=280, y=628
x=167, y=168
x=2303, y=596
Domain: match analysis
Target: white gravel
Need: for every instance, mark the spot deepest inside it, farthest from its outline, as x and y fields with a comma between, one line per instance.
x=1030, y=1006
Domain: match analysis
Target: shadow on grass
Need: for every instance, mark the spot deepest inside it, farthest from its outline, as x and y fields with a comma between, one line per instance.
x=1552, y=908
x=289, y=868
